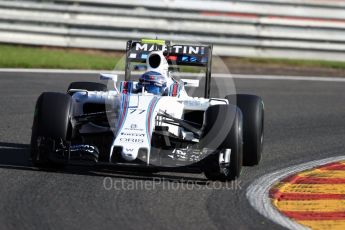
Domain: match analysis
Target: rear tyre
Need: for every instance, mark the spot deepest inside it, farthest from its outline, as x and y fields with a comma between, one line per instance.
x=51, y=120
x=89, y=86
x=223, y=123
x=252, y=108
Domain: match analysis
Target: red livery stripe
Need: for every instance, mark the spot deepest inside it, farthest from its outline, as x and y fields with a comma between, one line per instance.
x=124, y=112
x=175, y=90
x=151, y=108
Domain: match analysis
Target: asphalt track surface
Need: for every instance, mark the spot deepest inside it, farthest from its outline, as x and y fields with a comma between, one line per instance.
x=304, y=122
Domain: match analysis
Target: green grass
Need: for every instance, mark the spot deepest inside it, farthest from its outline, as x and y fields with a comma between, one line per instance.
x=35, y=57
x=13, y=56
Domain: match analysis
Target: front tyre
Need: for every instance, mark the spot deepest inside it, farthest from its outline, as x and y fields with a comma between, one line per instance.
x=226, y=163
x=51, y=122
x=252, y=108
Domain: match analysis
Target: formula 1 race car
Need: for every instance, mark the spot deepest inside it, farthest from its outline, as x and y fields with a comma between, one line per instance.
x=148, y=120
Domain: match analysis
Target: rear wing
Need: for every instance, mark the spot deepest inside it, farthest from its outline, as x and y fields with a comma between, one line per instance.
x=176, y=55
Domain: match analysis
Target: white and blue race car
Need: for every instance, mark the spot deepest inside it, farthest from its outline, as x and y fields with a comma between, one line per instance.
x=149, y=120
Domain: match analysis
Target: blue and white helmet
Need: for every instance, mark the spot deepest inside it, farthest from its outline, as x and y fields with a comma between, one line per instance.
x=153, y=82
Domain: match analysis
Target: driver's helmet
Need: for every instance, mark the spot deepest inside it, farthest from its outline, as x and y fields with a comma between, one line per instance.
x=153, y=82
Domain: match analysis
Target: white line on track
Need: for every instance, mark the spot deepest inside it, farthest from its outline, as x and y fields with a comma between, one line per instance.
x=11, y=147
x=258, y=192
x=217, y=75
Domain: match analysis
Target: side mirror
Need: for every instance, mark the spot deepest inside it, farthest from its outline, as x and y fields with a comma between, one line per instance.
x=108, y=76
x=190, y=83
